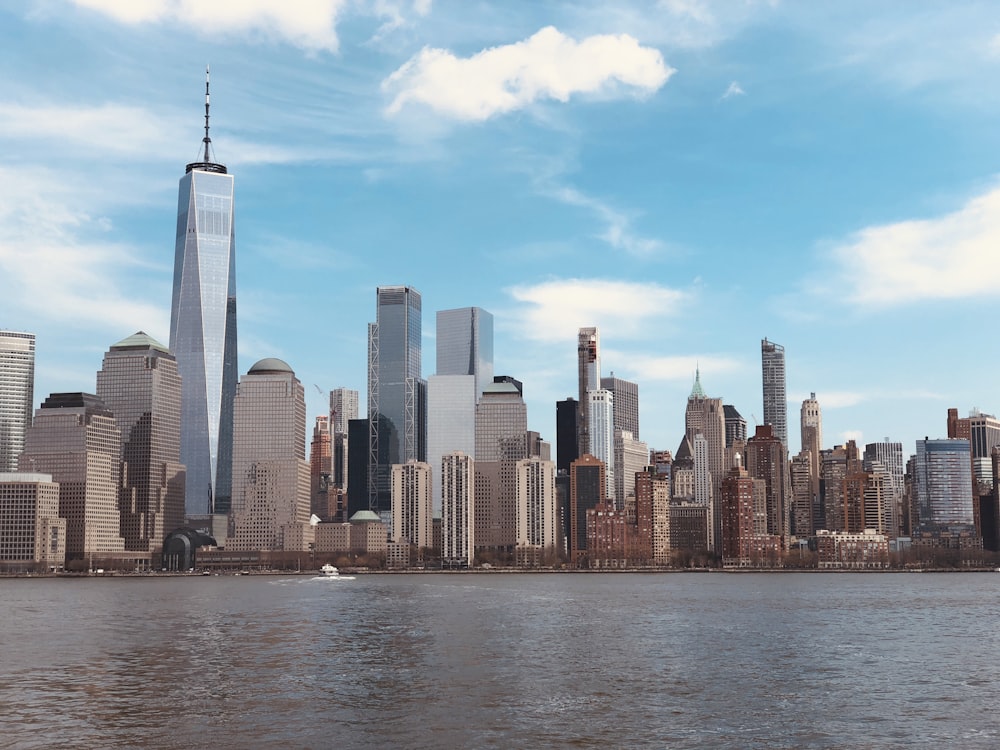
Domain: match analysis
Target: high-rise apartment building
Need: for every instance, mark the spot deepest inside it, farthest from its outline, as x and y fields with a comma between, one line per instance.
x=772, y=360
x=767, y=459
x=458, y=509
x=803, y=497
x=397, y=395
x=536, y=509
x=586, y=492
x=203, y=330
x=343, y=408
x=139, y=383
x=17, y=393
x=32, y=535
x=836, y=464
x=270, y=472
x=320, y=470
x=811, y=431
x=652, y=489
x=74, y=438
x=943, y=483
x=888, y=456
x=588, y=361
x=411, y=504
x=631, y=456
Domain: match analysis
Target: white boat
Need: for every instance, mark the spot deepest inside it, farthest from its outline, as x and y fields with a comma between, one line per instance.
x=329, y=571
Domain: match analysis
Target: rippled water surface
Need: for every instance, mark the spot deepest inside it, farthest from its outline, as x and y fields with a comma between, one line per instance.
x=501, y=661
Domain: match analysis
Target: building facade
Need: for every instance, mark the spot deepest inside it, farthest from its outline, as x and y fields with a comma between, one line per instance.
x=536, y=510
x=270, y=471
x=140, y=384
x=943, y=483
x=74, y=439
x=626, y=399
x=772, y=360
x=458, y=509
x=411, y=504
x=32, y=535
x=17, y=393
x=203, y=330
x=397, y=395
x=588, y=362
x=586, y=492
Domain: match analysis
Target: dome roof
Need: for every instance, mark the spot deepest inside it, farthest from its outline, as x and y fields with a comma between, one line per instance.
x=270, y=364
x=365, y=516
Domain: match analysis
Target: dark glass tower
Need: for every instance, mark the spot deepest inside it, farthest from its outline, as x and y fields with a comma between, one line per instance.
x=203, y=330
x=396, y=393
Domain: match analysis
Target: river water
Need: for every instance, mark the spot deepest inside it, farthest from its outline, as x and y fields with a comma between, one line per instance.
x=502, y=661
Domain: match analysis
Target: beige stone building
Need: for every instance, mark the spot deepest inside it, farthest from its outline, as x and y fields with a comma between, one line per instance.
x=75, y=439
x=536, y=507
x=412, y=509
x=32, y=535
x=270, y=471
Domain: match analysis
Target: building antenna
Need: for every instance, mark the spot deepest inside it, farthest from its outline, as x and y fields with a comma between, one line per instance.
x=206, y=140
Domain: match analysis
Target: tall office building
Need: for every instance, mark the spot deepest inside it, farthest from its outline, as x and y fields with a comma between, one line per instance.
x=458, y=509
x=465, y=344
x=626, y=398
x=772, y=360
x=270, y=471
x=32, y=535
x=631, y=457
x=588, y=362
x=411, y=504
x=203, y=329
x=397, y=396
x=501, y=441
x=343, y=408
x=707, y=416
x=943, y=483
x=567, y=442
x=140, y=384
x=17, y=393
x=74, y=438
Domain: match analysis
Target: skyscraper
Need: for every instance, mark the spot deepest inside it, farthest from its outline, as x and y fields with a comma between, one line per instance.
x=588, y=360
x=707, y=416
x=626, y=398
x=139, y=383
x=772, y=360
x=736, y=426
x=767, y=459
x=943, y=483
x=343, y=408
x=536, y=509
x=74, y=438
x=411, y=504
x=501, y=441
x=457, y=509
x=17, y=393
x=203, y=329
x=601, y=431
x=465, y=344
x=320, y=470
x=586, y=491
x=270, y=472
x=397, y=396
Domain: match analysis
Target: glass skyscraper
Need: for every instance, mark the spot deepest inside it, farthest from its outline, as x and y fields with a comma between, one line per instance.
x=397, y=395
x=203, y=331
x=465, y=344
x=17, y=392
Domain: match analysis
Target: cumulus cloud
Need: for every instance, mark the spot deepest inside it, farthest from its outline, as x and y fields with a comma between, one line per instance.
x=554, y=310
x=547, y=65
x=311, y=25
x=950, y=257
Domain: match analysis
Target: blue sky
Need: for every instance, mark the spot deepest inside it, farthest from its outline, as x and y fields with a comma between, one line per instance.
x=690, y=176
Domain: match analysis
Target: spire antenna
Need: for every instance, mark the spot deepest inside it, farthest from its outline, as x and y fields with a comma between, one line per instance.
x=207, y=141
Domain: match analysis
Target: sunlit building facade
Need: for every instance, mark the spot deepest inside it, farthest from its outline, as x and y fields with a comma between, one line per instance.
x=17, y=393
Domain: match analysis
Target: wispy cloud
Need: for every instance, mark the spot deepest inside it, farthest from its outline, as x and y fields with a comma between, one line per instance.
x=618, y=232
x=547, y=65
x=734, y=89
x=554, y=310
x=950, y=257
x=680, y=369
x=310, y=25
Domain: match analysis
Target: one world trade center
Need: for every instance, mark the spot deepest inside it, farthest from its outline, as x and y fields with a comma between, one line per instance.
x=203, y=329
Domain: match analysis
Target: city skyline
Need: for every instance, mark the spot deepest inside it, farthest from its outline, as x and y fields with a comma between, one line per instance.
x=692, y=183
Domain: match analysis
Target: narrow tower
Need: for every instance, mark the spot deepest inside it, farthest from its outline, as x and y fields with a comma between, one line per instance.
x=203, y=329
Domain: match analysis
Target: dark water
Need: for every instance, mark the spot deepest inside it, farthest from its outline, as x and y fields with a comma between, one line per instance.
x=503, y=661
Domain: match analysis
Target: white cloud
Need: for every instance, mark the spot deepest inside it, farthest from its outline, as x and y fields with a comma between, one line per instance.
x=547, y=65
x=554, y=310
x=310, y=25
x=647, y=368
x=618, y=232
x=856, y=435
x=734, y=90
x=107, y=128
x=950, y=257
x=58, y=264
x=832, y=399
